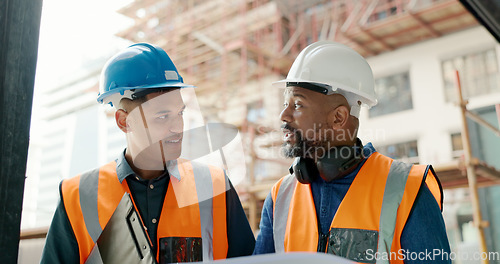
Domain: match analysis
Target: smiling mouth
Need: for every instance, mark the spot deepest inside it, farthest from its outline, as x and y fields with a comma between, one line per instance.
x=173, y=139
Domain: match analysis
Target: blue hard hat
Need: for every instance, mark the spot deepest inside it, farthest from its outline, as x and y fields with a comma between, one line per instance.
x=139, y=67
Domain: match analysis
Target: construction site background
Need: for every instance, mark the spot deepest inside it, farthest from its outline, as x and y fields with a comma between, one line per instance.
x=233, y=50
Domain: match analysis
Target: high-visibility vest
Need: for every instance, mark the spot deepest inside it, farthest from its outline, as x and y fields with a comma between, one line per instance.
x=91, y=198
x=374, y=210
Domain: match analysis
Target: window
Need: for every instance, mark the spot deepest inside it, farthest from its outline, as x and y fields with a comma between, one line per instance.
x=479, y=75
x=385, y=9
x=394, y=94
x=406, y=151
x=456, y=144
x=255, y=111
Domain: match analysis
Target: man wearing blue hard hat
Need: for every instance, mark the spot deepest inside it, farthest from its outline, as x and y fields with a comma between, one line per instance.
x=150, y=205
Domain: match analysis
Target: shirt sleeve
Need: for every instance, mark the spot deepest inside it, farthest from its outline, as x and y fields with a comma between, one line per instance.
x=265, y=240
x=424, y=238
x=60, y=244
x=240, y=238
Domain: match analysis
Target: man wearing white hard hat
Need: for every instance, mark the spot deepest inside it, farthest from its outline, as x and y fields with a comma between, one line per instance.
x=342, y=197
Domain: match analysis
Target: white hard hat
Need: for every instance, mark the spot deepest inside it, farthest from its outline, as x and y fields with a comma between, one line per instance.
x=331, y=67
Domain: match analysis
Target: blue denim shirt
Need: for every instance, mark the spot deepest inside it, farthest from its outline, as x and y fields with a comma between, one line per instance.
x=424, y=231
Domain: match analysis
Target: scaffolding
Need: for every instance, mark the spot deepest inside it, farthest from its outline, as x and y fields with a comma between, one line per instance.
x=222, y=45
x=471, y=164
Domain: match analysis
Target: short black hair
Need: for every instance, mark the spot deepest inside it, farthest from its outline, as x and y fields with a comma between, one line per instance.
x=140, y=97
x=143, y=92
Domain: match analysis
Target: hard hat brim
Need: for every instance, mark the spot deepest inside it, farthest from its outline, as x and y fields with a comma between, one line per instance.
x=121, y=90
x=367, y=100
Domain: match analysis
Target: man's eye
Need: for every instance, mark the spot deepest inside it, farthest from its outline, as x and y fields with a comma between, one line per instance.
x=163, y=117
x=297, y=106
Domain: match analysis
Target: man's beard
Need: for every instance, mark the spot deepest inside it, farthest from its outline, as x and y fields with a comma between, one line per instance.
x=304, y=147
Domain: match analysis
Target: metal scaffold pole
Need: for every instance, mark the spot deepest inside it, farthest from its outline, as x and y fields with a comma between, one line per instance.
x=471, y=174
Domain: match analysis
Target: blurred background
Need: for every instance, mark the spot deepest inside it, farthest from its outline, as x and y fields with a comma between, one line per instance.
x=233, y=50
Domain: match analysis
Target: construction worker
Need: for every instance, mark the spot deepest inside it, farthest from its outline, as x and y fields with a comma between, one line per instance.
x=343, y=197
x=189, y=211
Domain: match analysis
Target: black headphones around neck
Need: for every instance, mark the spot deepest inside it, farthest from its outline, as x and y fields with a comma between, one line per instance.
x=335, y=164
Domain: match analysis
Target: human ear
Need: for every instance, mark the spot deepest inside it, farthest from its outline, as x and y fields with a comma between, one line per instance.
x=337, y=118
x=121, y=120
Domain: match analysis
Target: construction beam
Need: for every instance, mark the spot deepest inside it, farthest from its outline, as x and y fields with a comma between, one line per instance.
x=426, y=25
x=19, y=30
x=414, y=15
x=482, y=122
x=384, y=44
x=471, y=175
x=360, y=47
x=292, y=40
x=39, y=232
x=435, y=7
x=485, y=170
x=209, y=42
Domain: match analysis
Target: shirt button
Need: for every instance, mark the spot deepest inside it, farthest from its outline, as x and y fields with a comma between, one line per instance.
x=151, y=186
x=137, y=178
x=154, y=220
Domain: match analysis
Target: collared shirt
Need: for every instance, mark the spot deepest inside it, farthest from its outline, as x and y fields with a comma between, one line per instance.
x=147, y=194
x=61, y=245
x=424, y=229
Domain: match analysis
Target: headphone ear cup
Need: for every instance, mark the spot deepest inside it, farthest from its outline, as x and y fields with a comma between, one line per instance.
x=304, y=170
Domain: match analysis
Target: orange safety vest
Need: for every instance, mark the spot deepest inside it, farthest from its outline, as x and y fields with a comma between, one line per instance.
x=91, y=198
x=378, y=203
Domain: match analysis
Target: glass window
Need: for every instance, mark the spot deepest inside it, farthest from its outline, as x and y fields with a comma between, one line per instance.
x=405, y=151
x=456, y=141
x=385, y=9
x=479, y=75
x=456, y=144
x=255, y=111
x=394, y=94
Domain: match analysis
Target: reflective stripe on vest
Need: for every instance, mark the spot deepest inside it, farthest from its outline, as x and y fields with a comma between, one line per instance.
x=205, y=202
x=295, y=223
x=94, y=256
x=393, y=193
x=281, y=209
x=90, y=200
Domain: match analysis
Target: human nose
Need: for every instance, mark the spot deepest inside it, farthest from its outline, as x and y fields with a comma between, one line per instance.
x=177, y=125
x=286, y=115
